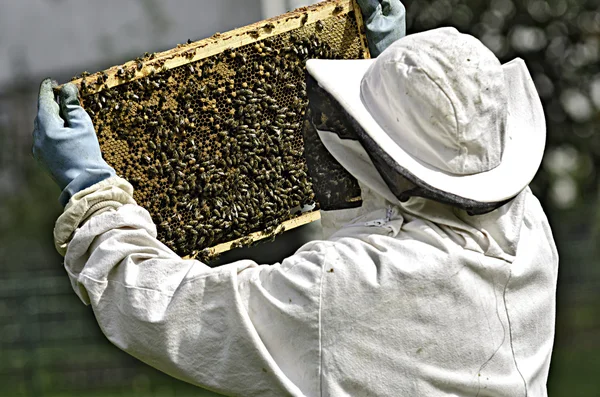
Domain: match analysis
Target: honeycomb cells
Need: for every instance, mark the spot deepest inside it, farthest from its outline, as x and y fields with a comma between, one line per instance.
x=214, y=148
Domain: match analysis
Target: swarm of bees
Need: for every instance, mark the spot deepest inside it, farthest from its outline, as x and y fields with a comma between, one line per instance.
x=214, y=147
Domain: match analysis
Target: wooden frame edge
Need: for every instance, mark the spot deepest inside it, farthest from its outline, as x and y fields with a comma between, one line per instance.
x=184, y=54
x=298, y=221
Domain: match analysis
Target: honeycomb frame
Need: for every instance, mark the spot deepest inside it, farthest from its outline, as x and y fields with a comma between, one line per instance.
x=123, y=101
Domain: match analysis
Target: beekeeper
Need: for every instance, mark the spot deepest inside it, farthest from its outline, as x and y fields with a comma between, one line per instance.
x=442, y=283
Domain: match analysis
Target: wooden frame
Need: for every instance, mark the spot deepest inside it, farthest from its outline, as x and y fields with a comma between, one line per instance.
x=219, y=42
x=301, y=220
x=187, y=53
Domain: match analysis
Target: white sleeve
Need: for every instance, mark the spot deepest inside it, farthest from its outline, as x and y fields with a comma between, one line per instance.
x=180, y=316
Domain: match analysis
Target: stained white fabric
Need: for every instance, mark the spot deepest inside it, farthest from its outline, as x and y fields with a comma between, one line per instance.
x=417, y=299
x=441, y=106
x=444, y=96
x=108, y=194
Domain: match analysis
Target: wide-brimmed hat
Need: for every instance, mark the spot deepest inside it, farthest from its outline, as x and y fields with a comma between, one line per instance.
x=442, y=106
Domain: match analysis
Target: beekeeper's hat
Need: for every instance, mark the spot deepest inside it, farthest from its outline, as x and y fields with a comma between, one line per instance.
x=441, y=105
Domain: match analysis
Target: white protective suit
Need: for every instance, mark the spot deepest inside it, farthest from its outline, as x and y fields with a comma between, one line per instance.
x=402, y=299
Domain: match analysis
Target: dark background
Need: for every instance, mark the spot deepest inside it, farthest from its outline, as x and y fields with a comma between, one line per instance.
x=50, y=344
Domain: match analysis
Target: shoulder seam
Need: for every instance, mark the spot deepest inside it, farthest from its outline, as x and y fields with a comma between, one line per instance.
x=320, y=313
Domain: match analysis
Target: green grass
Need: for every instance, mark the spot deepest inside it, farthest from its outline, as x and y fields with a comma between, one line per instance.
x=575, y=373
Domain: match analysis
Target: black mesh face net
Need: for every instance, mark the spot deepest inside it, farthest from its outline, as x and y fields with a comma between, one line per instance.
x=335, y=188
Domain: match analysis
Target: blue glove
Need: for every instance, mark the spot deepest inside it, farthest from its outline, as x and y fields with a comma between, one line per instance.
x=385, y=21
x=65, y=143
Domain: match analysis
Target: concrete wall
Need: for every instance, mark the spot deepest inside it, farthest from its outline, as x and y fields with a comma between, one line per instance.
x=272, y=8
x=46, y=37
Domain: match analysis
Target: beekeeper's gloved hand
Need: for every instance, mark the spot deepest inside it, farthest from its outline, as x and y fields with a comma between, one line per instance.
x=65, y=143
x=385, y=21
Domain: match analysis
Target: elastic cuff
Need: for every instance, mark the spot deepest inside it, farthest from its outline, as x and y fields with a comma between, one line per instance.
x=109, y=194
x=87, y=178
